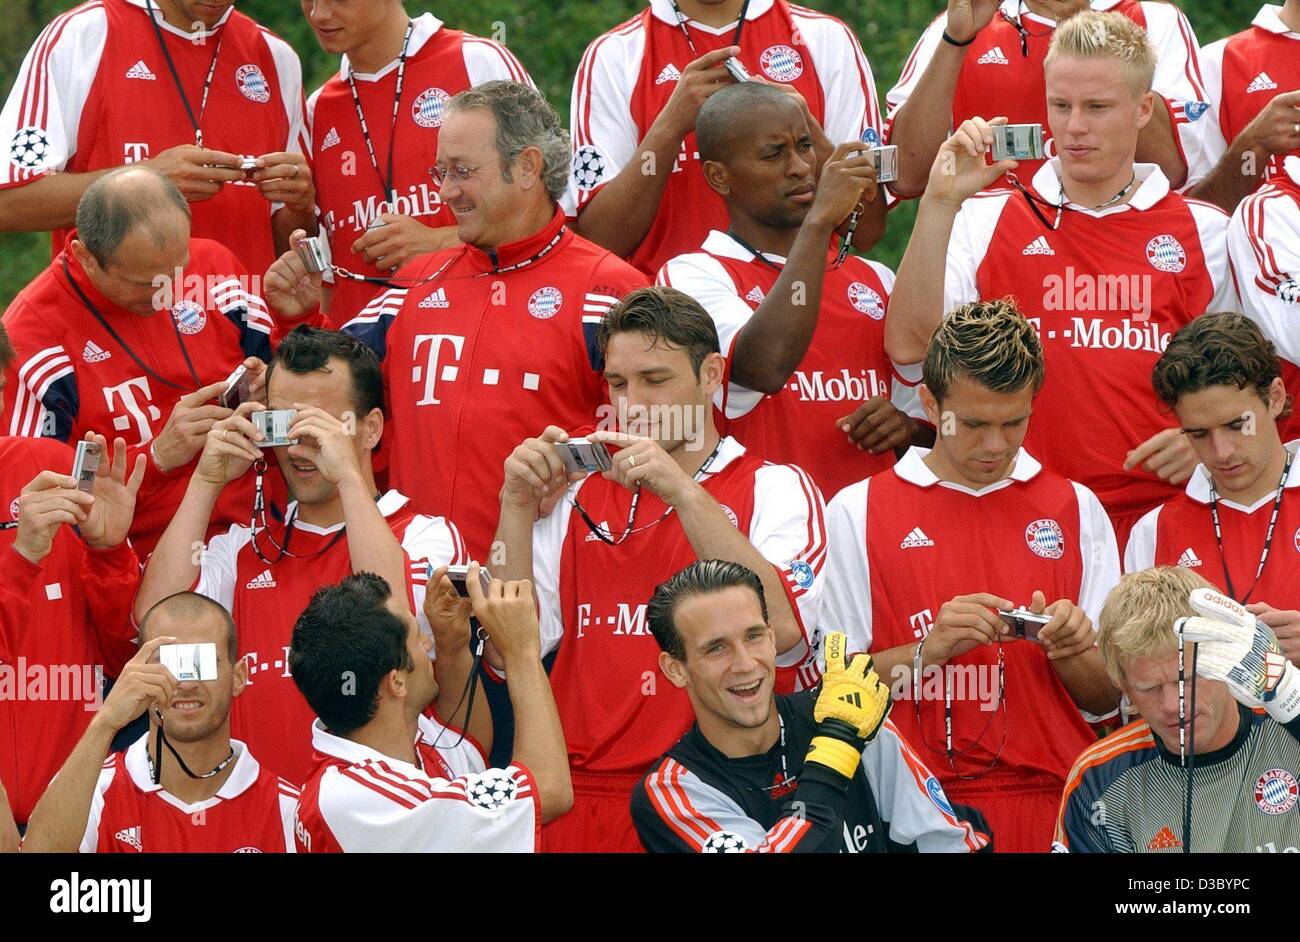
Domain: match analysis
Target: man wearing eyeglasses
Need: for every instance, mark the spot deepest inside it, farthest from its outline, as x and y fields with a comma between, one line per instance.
x=195, y=90
x=1101, y=255
x=374, y=131
x=264, y=575
x=479, y=340
x=983, y=57
x=675, y=491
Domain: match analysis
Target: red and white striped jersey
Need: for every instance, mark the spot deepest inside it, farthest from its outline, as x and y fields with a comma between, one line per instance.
x=265, y=601
x=95, y=91
x=1243, y=73
x=845, y=365
x=252, y=812
x=482, y=357
x=1181, y=533
x=592, y=599
x=1106, y=290
x=1003, y=72
x=350, y=194
x=359, y=800
x=71, y=375
x=905, y=542
x=1264, y=248
x=628, y=74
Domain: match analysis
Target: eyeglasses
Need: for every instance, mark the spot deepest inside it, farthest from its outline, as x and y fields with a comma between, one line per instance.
x=458, y=173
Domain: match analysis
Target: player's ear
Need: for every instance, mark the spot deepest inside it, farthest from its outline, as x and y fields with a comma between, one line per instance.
x=371, y=429
x=715, y=175
x=1146, y=108
x=711, y=372
x=1275, y=396
x=929, y=403
x=673, y=669
x=528, y=167
x=83, y=256
x=239, y=676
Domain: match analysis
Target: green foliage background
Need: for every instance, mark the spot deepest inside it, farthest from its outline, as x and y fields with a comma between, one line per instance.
x=549, y=37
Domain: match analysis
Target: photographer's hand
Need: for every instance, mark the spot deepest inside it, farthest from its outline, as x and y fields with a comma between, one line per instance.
x=289, y=288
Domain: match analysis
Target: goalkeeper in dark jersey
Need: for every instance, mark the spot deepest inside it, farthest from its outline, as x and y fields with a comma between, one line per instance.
x=820, y=771
x=1126, y=794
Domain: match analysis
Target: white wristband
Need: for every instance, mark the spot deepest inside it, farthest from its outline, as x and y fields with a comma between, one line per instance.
x=1284, y=704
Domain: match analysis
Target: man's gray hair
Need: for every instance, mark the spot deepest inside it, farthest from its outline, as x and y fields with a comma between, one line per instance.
x=524, y=119
x=122, y=200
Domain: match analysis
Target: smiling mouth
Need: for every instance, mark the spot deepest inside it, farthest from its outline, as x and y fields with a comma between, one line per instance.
x=746, y=691
x=186, y=706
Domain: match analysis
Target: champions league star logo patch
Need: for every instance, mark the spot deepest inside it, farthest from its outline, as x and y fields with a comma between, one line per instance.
x=724, y=842
x=1276, y=791
x=545, y=303
x=866, y=301
x=781, y=63
x=1046, y=539
x=190, y=317
x=492, y=789
x=428, y=107
x=1166, y=254
x=588, y=167
x=28, y=148
x=252, y=84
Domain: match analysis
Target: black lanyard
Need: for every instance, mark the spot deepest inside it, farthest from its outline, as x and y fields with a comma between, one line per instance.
x=259, y=516
x=758, y=256
x=1034, y=200
x=85, y=301
x=1020, y=28
x=954, y=754
x=1268, y=538
x=385, y=180
x=681, y=24
x=391, y=283
x=176, y=77
x=155, y=768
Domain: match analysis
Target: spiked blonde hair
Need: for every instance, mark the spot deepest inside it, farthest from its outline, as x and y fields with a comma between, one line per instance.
x=989, y=341
x=1096, y=35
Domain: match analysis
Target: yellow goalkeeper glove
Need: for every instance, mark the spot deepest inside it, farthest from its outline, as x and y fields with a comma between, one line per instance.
x=850, y=709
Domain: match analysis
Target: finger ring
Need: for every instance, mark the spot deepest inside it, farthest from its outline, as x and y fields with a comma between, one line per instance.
x=225, y=434
x=631, y=461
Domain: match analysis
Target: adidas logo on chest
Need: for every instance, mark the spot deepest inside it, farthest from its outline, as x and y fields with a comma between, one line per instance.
x=916, y=539
x=994, y=56
x=1261, y=83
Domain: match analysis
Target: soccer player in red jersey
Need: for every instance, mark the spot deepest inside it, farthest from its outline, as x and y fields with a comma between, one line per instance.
x=196, y=90
x=479, y=340
x=389, y=776
x=638, y=186
x=133, y=330
x=982, y=57
x=1102, y=257
x=1238, y=522
x=677, y=491
x=802, y=326
x=925, y=554
x=266, y=577
x=185, y=785
x=1253, y=82
x=374, y=130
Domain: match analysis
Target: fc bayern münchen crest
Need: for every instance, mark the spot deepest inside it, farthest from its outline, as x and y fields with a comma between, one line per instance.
x=1046, y=539
x=428, y=107
x=190, y=317
x=866, y=300
x=781, y=63
x=545, y=303
x=1166, y=253
x=252, y=83
x=1276, y=791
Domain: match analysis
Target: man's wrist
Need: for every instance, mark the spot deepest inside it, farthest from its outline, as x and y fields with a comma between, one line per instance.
x=30, y=554
x=958, y=43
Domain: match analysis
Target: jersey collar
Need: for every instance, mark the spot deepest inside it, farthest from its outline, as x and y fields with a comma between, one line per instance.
x=425, y=26
x=167, y=27
x=350, y=752
x=1198, y=485
x=724, y=245
x=663, y=10
x=1153, y=186
x=511, y=253
x=913, y=469
x=1269, y=19
x=1018, y=8
x=390, y=502
x=242, y=777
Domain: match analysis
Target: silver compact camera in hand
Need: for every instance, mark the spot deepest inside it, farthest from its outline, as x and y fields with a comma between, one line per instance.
x=1017, y=142
x=311, y=252
x=190, y=661
x=1023, y=623
x=85, y=464
x=274, y=424
x=885, y=160
x=581, y=455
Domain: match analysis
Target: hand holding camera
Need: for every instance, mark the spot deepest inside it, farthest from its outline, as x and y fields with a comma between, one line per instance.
x=327, y=441
x=108, y=520
x=284, y=177
x=967, y=17
x=448, y=611
x=536, y=471
x=963, y=624
x=642, y=461
x=231, y=447
x=960, y=169
x=187, y=427
x=290, y=285
x=396, y=239
x=508, y=614
x=1068, y=630
x=848, y=178
x=199, y=173
x=700, y=79
x=144, y=681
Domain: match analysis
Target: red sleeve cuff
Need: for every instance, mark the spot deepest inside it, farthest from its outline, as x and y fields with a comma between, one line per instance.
x=21, y=568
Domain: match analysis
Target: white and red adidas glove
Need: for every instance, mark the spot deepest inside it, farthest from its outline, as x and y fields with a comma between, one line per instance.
x=1243, y=652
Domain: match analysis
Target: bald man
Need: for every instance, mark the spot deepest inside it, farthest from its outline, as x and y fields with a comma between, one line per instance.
x=801, y=323
x=185, y=786
x=132, y=332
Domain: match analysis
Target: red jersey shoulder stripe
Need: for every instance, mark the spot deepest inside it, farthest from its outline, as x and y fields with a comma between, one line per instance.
x=512, y=64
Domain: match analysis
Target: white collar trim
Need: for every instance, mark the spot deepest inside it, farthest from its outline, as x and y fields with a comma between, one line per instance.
x=663, y=10
x=1198, y=486
x=724, y=245
x=1269, y=18
x=175, y=31
x=390, y=503
x=1153, y=186
x=425, y=26
x=354, y=753
x=242, y=777
x=913, y=469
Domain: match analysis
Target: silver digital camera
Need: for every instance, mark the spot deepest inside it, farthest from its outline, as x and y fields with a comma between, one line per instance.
x=190, y=661
x=885, y=160
x=460, y=574
x=237, y=389
x=274, y=424
x=312, y=254
x=1018, y=142
x=85, y=464
x=248, y=164
x=736, y=70
x=583, y=455
x=1023, y=623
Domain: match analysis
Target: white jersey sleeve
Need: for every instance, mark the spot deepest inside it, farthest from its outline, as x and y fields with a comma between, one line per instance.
x=705, y=279
x=902, y=393
x=1099, y=551
x=549, y=534
x=487, y=60
x=788, y=529
x=287, y=795
x=604, y=132
x=219, y=566
x=289, y=68
x=972, y=233
x=430, y=542
x=461, y=753
x=371, y=807
x=1212, y=226
x=42, y=116
x=1264, y=246
x=1214, y=144
x=90, y=840
x=1140, y=553
x=911, y=800
x=848, y=577
x=1179, y=80
x=916, y=65
x=848, y=87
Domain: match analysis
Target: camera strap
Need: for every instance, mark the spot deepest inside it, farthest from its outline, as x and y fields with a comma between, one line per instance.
x=758, y=256
x=950, y=753
x=176, y=77
x=478, y=638
x=681, y=24
x=103, y=322
x=160, y=740
x=385, y=180
x=1268, y=537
